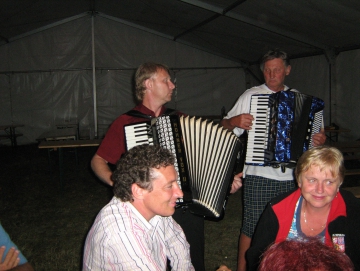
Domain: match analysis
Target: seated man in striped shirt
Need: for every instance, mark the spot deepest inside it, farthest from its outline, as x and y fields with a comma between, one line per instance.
x=135, y=230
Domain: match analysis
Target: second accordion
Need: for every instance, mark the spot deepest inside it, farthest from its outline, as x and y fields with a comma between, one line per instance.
x=205, y=155
x=283, y=126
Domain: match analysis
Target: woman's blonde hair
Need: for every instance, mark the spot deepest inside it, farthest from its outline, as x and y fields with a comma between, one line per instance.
x=326, y=158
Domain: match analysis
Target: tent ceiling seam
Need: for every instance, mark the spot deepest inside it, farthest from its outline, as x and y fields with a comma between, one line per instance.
x=230, y=14
x=69, y=19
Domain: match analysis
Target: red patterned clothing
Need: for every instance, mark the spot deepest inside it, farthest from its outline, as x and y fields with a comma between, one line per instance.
x=275, y=223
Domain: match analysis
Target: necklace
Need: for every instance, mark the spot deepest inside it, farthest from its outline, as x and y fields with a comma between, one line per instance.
x=312, y=229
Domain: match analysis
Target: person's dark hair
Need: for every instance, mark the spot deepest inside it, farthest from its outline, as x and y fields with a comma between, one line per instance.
x=272, y=54
x=144, y=72
x=311, y=255
x=136, y=166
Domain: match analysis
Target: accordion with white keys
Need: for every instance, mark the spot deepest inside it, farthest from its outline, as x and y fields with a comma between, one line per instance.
x=205, y=155
x=283, y=126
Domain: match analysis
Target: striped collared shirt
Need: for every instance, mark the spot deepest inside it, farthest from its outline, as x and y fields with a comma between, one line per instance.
x=122, y=239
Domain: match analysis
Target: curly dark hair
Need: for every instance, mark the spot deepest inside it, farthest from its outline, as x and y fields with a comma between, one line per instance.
x=304, y=255
x=136, y=166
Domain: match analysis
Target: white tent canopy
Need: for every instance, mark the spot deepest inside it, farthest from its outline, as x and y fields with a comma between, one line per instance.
x=52, y=75
x=51, y=78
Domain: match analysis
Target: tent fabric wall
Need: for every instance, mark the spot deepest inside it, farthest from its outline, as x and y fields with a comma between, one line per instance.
x=67, y=46
x=5, y=100
x=42, y=100
x=46, y=78
x=114, y=97
x=206, y=91
x=122, y=46
x=346, y=98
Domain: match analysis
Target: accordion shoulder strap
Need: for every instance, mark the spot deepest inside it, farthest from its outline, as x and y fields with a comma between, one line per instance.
x=170, y=111
x=138, y=114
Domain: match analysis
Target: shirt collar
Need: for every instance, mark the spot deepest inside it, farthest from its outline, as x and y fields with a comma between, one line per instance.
x=148, y=224
x=143, y=109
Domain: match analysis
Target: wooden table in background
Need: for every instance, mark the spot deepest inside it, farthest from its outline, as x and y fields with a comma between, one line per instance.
x=60, y=144
x=10, y=132
x=351, y=151
x=347, y=147
x=59, y=134
x=334, y=133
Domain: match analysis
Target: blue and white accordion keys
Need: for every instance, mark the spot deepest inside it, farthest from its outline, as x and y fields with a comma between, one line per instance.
x=283, y=127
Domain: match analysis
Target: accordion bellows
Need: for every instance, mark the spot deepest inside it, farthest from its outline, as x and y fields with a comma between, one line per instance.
x=211, y=153
x=205, y=158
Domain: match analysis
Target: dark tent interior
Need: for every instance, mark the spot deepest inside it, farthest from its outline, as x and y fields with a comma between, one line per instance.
x=71, y=62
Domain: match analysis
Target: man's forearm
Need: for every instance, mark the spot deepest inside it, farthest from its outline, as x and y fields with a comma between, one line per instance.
x=101, y=169
x=226, y=123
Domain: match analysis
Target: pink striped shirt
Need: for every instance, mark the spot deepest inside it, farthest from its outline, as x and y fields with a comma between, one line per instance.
x=122, y=239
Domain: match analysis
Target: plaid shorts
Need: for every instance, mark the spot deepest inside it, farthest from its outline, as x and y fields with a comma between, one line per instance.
x=258, y=191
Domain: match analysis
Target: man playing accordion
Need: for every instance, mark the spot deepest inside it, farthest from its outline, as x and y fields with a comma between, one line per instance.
x=262, y=183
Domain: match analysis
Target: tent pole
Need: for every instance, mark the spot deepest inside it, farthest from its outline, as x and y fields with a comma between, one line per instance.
x=94, y=76
x=330, y=91
x=331, y=58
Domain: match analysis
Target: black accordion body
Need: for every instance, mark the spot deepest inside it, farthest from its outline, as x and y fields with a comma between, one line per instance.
x=205, y=158
x=283, y=126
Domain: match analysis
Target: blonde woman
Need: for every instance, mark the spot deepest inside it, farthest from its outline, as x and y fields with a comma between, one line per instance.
x=318, y=208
